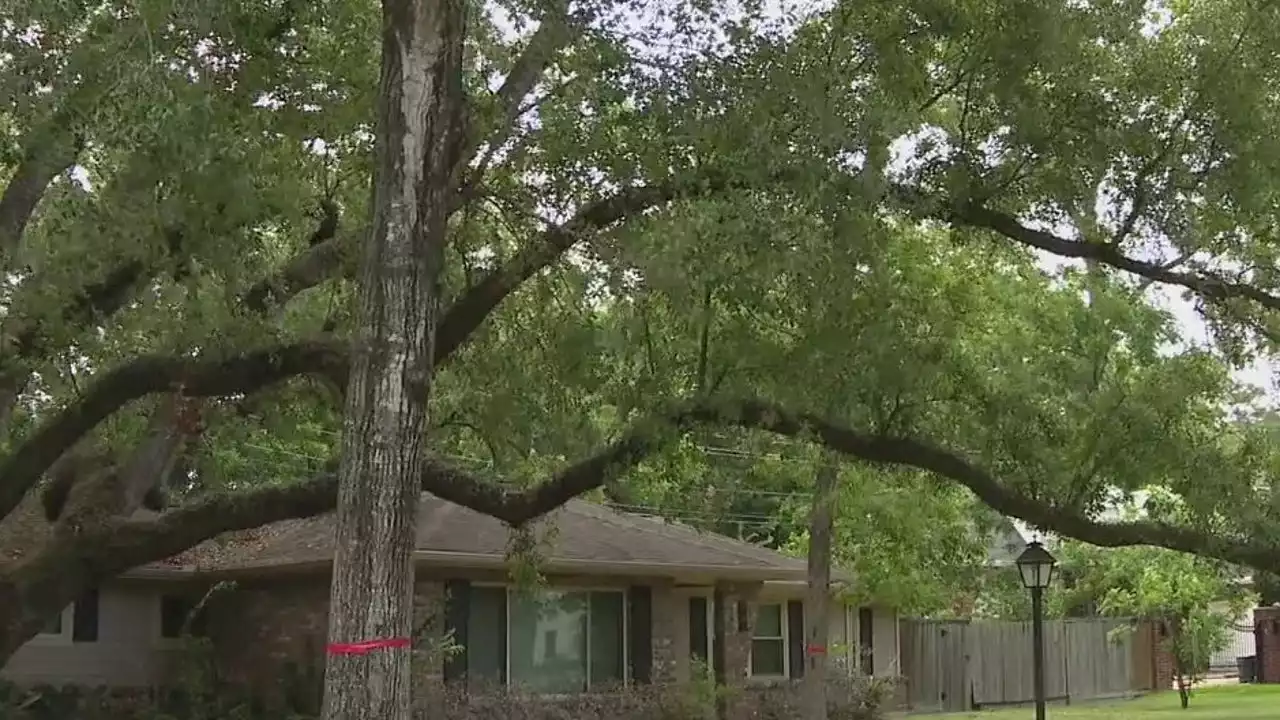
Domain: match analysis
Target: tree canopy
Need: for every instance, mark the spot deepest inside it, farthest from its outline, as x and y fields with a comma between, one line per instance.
x=684, y=226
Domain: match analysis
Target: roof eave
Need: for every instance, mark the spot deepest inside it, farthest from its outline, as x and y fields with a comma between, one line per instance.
x=481, y=561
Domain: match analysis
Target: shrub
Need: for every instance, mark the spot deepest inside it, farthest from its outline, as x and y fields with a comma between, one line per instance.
x=848, y=699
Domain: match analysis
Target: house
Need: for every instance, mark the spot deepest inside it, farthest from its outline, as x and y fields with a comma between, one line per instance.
x=626, y=599
x=1005, y=543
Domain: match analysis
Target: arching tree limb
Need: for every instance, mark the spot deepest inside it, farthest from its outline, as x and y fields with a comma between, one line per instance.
x=1211, y=287
x=156, y=374
x=47, y=153
x=78, y=561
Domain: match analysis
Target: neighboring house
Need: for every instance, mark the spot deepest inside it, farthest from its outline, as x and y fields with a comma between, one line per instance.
x=627, y=599
x=1005, y=543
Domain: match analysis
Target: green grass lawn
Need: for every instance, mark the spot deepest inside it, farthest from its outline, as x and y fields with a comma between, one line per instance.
x=1228, y=702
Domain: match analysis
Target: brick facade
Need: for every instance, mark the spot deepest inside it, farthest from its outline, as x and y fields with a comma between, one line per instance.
x=1266, y=623
x=263, y=633
x=266, y=632
x=1162, y=657
x=667, y=607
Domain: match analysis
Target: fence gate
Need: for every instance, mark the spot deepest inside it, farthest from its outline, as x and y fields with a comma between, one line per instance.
x=935, y=663
x=1241, y=641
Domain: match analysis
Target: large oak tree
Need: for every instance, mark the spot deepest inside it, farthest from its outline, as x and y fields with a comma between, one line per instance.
x=672, y=225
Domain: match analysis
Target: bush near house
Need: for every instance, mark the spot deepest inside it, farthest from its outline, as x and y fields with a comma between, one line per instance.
x=848, y=699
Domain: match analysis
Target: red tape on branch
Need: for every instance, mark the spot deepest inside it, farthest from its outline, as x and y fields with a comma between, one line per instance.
x=367, y=646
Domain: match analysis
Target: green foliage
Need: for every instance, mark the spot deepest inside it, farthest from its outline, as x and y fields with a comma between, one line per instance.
x=1196, y=599
x=793, y=266
x=909, y=541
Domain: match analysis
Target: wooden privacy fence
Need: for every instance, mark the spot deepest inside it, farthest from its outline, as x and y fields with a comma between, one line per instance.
x=959, y=665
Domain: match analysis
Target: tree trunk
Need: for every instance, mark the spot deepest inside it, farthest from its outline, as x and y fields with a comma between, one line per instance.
x=418, y=140
x=818, y=599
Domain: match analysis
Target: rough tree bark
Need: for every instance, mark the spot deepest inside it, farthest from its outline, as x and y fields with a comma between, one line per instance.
x=418, y=145
x=818, y=599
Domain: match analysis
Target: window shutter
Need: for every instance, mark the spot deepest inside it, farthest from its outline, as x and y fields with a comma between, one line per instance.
x=866, y=646
x=457, y=604
x=719, y=604
x=640, y=599
x=84, y=622
x=698, y=649
x=795, y=637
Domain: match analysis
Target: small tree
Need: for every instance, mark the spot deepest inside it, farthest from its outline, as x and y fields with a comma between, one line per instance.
x=1194, y=597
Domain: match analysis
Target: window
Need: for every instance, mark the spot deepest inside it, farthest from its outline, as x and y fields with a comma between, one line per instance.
x=57, y=624
x=769, y=642
x=701, y=631
x=175, y=611
x=551, y=642
x=77, y=623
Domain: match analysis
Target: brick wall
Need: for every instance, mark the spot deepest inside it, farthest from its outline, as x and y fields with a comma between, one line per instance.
x=667, y=607
x=266, y=631
x=1266, y=623
x=1162, y=657
x=269, y=637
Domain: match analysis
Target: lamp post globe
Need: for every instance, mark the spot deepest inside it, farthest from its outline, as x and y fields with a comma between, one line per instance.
x=1036, y=565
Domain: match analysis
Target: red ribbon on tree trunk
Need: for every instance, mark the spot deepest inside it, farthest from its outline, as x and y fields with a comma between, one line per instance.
x=367, y=646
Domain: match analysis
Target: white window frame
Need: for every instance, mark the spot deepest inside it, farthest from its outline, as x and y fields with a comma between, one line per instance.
x=586, y=589
x=855, y=633
x=64, y=635
x=784, y=638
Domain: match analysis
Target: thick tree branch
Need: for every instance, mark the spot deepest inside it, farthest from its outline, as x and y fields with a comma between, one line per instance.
x=154, y=374
x=468, y=311
x=95, y=486
x=955, y=467
x=44, y=158
x=327, y=252
x=152, y=461
x=252, y=371
x=1211, y=288
x=520, y=506
x=554, y=32
x=117, y=545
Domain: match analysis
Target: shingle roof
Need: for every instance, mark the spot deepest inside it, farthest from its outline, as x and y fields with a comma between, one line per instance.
x=586, y=535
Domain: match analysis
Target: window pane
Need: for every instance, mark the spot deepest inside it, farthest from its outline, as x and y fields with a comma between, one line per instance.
x=768, y=621
x=548, y=642
x=606, y=638
x=698, y=628
x=767, y=657
x=486, y=636
x=174, y=612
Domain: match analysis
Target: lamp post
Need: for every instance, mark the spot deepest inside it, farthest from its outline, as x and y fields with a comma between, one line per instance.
x=1035, y=565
